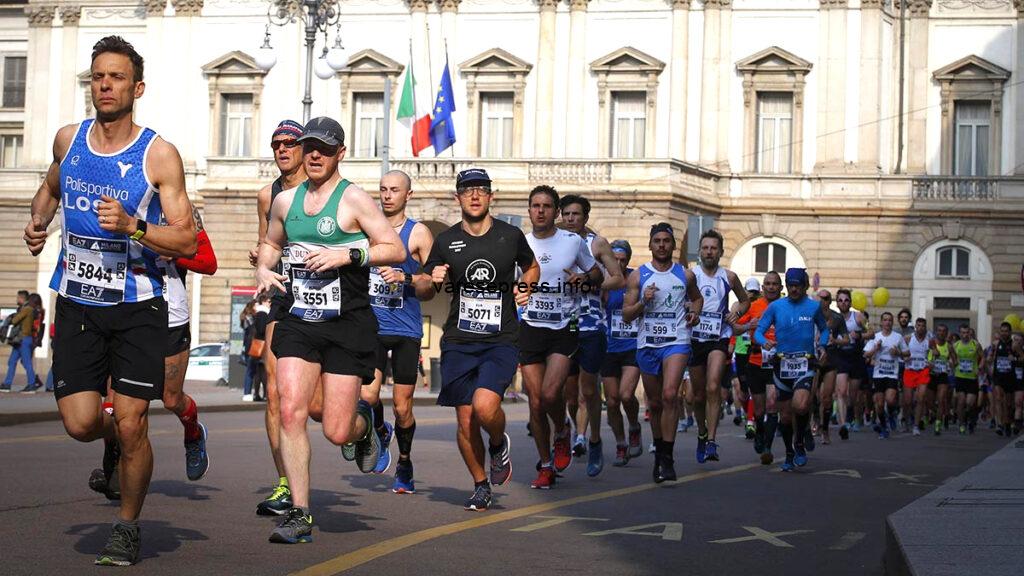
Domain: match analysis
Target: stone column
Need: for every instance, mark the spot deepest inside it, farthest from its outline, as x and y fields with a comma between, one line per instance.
x=449, y=15
x=832, y=87
x=917, y=83
x=38, y=149
x=158, y=91
x=69, y=93
x=726, y=74
x=869, y=112
x=709, y=101
x=545, y=79
x=677, y=87
x=577, y=79
x=192, y=144
x=1018, y=90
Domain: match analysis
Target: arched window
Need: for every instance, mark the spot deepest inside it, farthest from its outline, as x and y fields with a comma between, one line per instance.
x=954, y=262
x=769, y=256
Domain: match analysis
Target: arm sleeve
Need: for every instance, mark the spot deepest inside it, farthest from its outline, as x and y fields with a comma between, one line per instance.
x=767, y=319
x=524, y=254
x=205, y=261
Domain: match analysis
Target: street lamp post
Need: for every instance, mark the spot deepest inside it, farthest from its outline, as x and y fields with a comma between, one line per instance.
x=317, y=16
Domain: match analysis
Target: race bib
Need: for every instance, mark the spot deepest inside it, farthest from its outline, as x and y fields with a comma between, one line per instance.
x=584, y=305
x=480, y=311
x=709, y=327
x=317, y=294
x=96, y=268
x=793, y=367
x=623, y=330
x=966, y=366
x=916, y=363
x=545, y=308
x=886, y=368
x=767, y=357
x=659, y=328
x=1003, y=364
x=940, y=366
x=1020, y=373
x=383, y=294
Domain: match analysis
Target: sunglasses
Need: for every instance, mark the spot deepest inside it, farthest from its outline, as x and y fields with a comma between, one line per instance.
x=274, y=145
x=322, y=148
x=474, y=191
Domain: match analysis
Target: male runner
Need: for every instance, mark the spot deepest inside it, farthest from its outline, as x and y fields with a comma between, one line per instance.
x=1018, y=395
x=1002, y=359
x=794, y=319
x=838, y=337
x=333, y=231
x=939, y=374
x=586, y=363
x=619, y=371
x=711, y=338
x=395, y=294
x=475, y=262
x=114, y=180
x=657, y=294
x=741, y=359
x=851, y=371
x=885, y=350
x=967, y=361
x=546, y=341
x=759, y=369
x=288, y=156
x=917, y=374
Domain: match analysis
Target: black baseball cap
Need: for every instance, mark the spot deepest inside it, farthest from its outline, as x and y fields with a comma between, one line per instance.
x=472, y=177
x=663, y=227
x=324, y=129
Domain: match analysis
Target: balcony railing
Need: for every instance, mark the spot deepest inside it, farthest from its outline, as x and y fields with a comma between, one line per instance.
x=956, y=188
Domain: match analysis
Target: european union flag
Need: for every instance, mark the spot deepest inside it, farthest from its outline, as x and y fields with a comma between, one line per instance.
x=442, y=131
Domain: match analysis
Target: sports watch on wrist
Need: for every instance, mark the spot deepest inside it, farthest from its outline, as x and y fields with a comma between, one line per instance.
x=140, y=229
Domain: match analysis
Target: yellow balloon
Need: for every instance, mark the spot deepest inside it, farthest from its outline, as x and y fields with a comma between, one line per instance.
x=1014, y=321
x=859, y=300
x=880, y=296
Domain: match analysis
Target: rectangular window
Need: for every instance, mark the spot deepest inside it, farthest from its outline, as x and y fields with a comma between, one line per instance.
x=951, y=303
x=774, y=132
x=369, y=138
x=970, y=151
x=496, y=124
x=236, y=125
x=629, y=123
x=11, y=146
x=14, y=81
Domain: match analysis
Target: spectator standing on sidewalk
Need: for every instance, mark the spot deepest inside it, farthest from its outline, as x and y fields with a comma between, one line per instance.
x=22, y=349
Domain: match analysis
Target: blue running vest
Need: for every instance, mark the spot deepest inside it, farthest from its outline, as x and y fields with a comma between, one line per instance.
x=396, y=305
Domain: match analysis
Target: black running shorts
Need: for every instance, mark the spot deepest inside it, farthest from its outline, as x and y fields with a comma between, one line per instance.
x=179, y=339
x=614, y=362
x=405, y=357
x=536, y=344
x=126, y=342
x=701, y=351
x=339, y=346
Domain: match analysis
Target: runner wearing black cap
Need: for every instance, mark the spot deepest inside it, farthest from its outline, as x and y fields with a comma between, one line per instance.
x=619, y=371
x=474, y=263
x=333, y=231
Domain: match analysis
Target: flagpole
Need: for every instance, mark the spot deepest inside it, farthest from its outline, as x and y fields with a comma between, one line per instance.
x=452, y=147
x=386, y=147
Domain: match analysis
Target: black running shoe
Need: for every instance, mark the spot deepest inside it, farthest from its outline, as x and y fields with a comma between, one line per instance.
x=844, y=432
x=501, y=464
x=480, y=500
x=368, y=447
x=279, y=502
x=656, y=473
x=122, y=547
x=668, y=469
x=296, y=528
x=106, y=480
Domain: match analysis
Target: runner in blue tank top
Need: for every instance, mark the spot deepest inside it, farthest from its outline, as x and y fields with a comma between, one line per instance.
x=113, y=180
x=395, y=294
x=619, y=371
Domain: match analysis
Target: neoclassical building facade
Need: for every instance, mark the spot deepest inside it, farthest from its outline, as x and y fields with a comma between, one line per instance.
x=788, y=124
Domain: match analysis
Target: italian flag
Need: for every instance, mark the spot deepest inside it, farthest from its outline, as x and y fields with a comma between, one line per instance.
x=407, y=115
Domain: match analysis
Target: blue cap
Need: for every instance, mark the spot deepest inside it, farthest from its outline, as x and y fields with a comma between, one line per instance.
x=472, y=177
x=797, y=276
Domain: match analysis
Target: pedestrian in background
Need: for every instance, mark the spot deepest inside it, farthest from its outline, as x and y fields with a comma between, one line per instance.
x=21, y=347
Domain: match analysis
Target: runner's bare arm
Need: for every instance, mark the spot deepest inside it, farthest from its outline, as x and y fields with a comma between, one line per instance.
x=421, y=241
x=529, y=278
x=177, y=238
x=743, y=300
x=696, y=299
x=270, y=248
x=385, y=245
x=262, y=208
x=632, y=304
x=613, y=279
x=47, y=198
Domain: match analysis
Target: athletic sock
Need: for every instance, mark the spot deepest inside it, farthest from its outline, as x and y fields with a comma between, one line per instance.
x=771, y=425
x=801, y=431
x=404, y=438
x=482, y=484
x=759, y=428
x=378, y=417
x=667, y=448
x=787, y=436
x=750, y=408
x=130, y=524
x=190, y=420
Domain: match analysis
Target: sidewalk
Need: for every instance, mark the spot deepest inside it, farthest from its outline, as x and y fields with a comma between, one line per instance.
x=971, y=524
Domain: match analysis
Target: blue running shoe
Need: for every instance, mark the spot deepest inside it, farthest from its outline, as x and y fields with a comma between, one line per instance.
x=384, y=460
x=702, y=447
x=855, y=427
x=885, y=433
x=197, y=461
x=711, y=451
x=788, y=466
x=403, y=478
x=595, y=459
x=800, y=459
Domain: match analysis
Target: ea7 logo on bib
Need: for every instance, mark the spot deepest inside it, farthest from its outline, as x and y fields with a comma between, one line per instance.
x=480, y=270
x=326, y=226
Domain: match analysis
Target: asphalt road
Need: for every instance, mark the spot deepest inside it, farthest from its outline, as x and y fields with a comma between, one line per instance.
x=734, y=516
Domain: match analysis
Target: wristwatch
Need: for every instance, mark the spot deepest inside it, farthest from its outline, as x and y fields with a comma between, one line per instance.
x=355, y=256
x=140, y=229
x=406, y=278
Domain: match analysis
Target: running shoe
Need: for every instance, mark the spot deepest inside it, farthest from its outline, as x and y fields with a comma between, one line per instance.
x=737, y=419
x=296, y=528
x=403, y=478
x=384, y=460
x=197, y=461
x=545, y=478
x=711, y=451
x=855, y=427
x=122, y=547
x=767, y=458
x=844, y=432
x=348, y=451
x=809, y=441
x=938, y=427
x=800, y=458
x=279, y=502
x=595, y=459
x=652, y=448
x=562, y=452
x=917, y=431
x=885, y=433
x=702, y=446
x=681, y=428
x=368, y=448
x=621, y=457
x=501, y=464
x=635, y=443
x=749, y=431
x=579, y=446
x=788, y=465
x=107, y=480
x=666, y=470
x=656, y=473
x=480, y=500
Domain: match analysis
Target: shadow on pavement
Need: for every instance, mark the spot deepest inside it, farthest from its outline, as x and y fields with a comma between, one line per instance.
x=181, y=489
x=158, y=537
x=371, y=482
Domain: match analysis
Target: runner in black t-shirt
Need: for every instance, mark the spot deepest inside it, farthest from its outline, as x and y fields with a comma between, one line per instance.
x=474, y=262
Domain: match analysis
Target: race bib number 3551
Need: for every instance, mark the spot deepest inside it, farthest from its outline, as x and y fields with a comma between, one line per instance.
x=317, y=294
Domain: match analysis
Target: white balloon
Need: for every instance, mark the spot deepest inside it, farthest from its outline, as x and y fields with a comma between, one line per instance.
x=322, y=69
x=266, y=58
x=336, y=59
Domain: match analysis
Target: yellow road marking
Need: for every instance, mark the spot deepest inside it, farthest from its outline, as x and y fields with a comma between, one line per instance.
x=363, y=555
